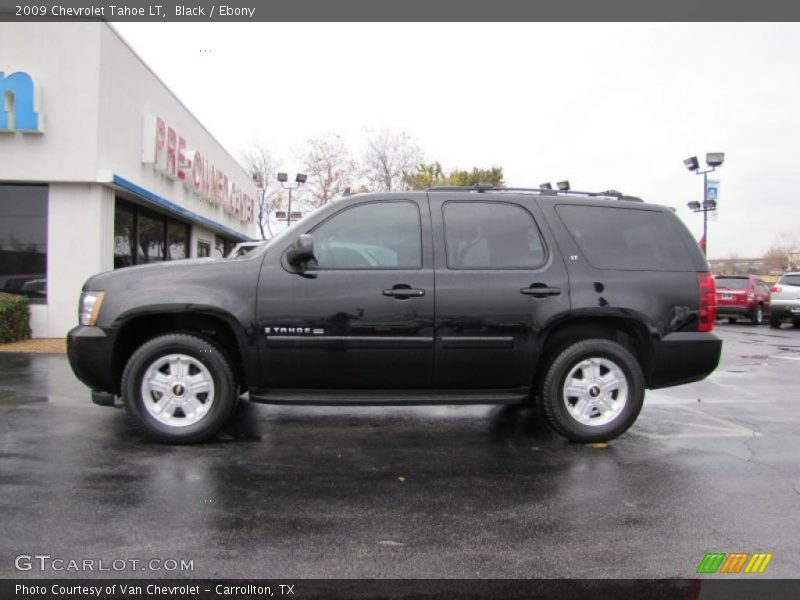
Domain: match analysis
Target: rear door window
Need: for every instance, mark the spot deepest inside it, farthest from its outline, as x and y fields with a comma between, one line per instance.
x=491, y=235
x=625, y=238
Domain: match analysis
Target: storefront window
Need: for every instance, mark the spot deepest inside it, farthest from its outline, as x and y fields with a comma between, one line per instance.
x=219, y=247
x=203, y=249
x=143, y=236
x=222, y=246
x=151, y=238
x=124, y=235
x=23, y=241
x=177, y=240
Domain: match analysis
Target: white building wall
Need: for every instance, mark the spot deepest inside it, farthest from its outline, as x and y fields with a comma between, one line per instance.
x=128, y=92
x=94, y=93
x=77, y=249
x=206, y=235
x=65, y=61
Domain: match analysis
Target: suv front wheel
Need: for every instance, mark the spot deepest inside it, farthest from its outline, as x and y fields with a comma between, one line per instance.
x=179, y=388
x=593, y=391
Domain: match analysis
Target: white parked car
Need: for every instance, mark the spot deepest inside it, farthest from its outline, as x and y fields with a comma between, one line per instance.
x=243, y=248
x=786, y=300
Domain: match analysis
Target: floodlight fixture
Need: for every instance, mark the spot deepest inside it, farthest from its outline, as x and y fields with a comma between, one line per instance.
x=283, y=177
x=713, y=160
x=545, y=186
x=301, y=178
x=563, y=185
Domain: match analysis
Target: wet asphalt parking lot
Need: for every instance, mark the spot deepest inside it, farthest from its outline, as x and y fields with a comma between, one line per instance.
x=412, y=492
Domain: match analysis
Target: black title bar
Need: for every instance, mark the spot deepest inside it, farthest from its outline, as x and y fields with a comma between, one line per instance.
x=400, y=10
x=368, y=589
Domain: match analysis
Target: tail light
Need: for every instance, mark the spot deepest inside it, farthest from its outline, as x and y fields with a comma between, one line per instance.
x=776, y=288
x=708, y=302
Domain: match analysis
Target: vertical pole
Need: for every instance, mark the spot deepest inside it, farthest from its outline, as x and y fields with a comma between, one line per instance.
x=705, y=213
x=289, y=212
x=261, y=208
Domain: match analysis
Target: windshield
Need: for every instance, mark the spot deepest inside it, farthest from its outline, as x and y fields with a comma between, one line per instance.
x=732, y=283
x=790, y=280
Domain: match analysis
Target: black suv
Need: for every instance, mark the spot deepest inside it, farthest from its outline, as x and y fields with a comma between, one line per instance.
x=574, y=301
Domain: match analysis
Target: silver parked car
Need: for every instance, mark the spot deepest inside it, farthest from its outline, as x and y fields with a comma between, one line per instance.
x=243, y=248
x=786, y=300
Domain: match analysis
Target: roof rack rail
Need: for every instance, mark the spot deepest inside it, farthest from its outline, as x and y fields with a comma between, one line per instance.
x=487, y=187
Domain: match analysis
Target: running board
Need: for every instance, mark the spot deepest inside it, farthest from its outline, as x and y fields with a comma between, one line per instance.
x=324, y=397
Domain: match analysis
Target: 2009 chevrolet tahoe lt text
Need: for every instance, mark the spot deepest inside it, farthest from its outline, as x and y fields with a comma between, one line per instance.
x=575, y=301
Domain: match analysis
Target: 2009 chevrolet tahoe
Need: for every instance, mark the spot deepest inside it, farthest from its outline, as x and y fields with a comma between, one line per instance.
x=575, y=301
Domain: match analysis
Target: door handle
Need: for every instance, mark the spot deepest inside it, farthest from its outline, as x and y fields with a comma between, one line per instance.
x=540, y=290
x=403, y=292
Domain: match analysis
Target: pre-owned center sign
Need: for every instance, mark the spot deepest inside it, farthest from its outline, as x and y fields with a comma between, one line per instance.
x=166, y=150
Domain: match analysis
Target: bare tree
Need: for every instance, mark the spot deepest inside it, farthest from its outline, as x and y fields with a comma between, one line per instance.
x=783, y=253
x=390, y=160
x=330, y=170
x=262, y=166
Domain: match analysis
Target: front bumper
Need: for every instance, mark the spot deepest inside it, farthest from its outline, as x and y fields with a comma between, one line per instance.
x=90, y=351
x=684, y=357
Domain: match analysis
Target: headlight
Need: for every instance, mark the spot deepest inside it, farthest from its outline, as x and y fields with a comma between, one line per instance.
x=90, y=307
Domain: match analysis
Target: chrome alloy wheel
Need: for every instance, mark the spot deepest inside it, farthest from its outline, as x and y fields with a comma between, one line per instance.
x=177, y=390
x=595, y=391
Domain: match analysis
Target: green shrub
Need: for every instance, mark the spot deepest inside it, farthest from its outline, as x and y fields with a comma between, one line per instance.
x=14, y=318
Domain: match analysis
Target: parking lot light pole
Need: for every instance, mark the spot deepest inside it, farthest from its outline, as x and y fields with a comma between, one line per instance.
x=300, y=179
x=713, y=160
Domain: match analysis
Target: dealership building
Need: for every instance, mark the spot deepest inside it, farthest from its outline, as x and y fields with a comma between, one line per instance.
x=101, y=167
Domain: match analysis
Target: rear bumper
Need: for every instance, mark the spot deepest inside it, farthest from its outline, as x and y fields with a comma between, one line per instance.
x=90, y=351
x=680, y=358
x=785, y=309
x=734, y=311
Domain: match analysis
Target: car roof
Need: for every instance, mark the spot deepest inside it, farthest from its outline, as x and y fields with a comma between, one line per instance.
x=539, y=191
x=611, y=198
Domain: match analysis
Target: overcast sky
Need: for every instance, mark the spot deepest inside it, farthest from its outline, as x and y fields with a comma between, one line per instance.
x=605, y=106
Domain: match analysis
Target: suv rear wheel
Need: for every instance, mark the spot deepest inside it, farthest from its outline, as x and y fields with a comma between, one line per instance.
x=593, y=391
x=775, y=322
x=179, y=388
x=758, y=315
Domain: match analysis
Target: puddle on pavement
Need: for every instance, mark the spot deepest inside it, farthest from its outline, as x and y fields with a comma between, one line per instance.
x=700, y=424
x=12, y=398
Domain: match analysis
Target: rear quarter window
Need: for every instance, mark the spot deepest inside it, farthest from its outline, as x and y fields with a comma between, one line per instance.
x=790, y=280
x=626, y=238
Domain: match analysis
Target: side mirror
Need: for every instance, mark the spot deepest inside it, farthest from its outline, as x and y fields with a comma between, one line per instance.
x=301, y=251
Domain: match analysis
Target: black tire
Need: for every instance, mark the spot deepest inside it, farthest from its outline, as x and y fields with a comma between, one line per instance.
x=555, y=408
x=796, y=323
x=731, y=320
x=775, y=322
x=758, y=316
x=201, y=352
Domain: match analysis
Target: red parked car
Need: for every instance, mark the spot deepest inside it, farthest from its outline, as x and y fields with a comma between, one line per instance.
x=742, y=296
